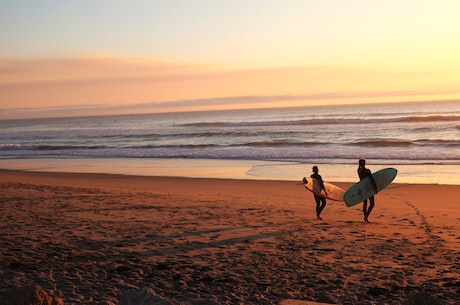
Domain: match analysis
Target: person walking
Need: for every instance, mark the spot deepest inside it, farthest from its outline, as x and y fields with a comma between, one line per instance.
x=364, y=172
x=320, y=201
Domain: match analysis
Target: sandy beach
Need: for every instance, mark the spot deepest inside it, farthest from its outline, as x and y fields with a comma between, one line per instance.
x=90, y=238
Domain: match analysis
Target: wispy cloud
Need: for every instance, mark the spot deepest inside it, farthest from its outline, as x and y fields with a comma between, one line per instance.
x=107, y=85
x=235, y=102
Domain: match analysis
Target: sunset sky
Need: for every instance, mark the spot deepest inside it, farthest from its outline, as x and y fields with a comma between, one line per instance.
x=63, y=58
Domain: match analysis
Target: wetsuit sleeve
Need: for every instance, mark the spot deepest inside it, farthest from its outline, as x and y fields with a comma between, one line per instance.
x=363, y=173
x=322, y=183
x=373, y=181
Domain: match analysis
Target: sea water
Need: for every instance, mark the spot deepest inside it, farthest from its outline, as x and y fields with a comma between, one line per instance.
x=422, y=140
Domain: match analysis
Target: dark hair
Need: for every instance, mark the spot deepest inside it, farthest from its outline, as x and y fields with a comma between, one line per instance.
x=362, y=162
x=315, y=169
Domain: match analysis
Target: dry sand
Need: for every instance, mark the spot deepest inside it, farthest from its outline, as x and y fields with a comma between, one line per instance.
x=88, y=238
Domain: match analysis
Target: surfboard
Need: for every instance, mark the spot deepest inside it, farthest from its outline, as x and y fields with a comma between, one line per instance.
x=333, y=192
x=364, y=188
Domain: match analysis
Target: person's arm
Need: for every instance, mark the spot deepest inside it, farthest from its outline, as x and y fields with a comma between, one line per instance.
x=373, y=182
x=322, y=184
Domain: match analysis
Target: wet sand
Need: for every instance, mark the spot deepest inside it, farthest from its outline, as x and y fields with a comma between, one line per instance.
x=89, y=238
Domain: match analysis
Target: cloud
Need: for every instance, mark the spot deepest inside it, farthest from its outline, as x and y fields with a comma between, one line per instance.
x=108, y=85
x=217, y=103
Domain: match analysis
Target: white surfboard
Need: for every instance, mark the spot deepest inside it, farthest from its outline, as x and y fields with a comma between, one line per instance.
x=333, y=192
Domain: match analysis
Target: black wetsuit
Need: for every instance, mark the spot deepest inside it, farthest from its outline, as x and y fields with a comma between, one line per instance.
x=363, y=173
x=320, y=201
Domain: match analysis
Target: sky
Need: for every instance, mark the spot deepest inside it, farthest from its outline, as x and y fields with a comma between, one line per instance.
x=67, y=58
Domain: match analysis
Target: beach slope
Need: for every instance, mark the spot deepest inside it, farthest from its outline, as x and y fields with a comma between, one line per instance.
x=89, y=238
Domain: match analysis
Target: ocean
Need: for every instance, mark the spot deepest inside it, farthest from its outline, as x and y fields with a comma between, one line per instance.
x=421, y=140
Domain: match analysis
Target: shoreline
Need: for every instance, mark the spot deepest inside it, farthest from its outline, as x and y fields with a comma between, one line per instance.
x=91, y=237
x=446, y=174
x=32, y=174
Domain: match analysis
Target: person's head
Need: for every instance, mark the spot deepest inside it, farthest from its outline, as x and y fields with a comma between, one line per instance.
x=315, y=169
x=362, y=162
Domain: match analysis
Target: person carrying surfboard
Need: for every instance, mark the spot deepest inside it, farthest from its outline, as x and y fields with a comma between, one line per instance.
x=320, y=201
x=364, y=172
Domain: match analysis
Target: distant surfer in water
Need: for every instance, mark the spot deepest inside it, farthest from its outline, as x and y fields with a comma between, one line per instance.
x=363, y=172
x=320, y=201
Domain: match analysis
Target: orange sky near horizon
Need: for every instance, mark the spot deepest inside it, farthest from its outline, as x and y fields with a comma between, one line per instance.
x=111, y=82
x=156, y=57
